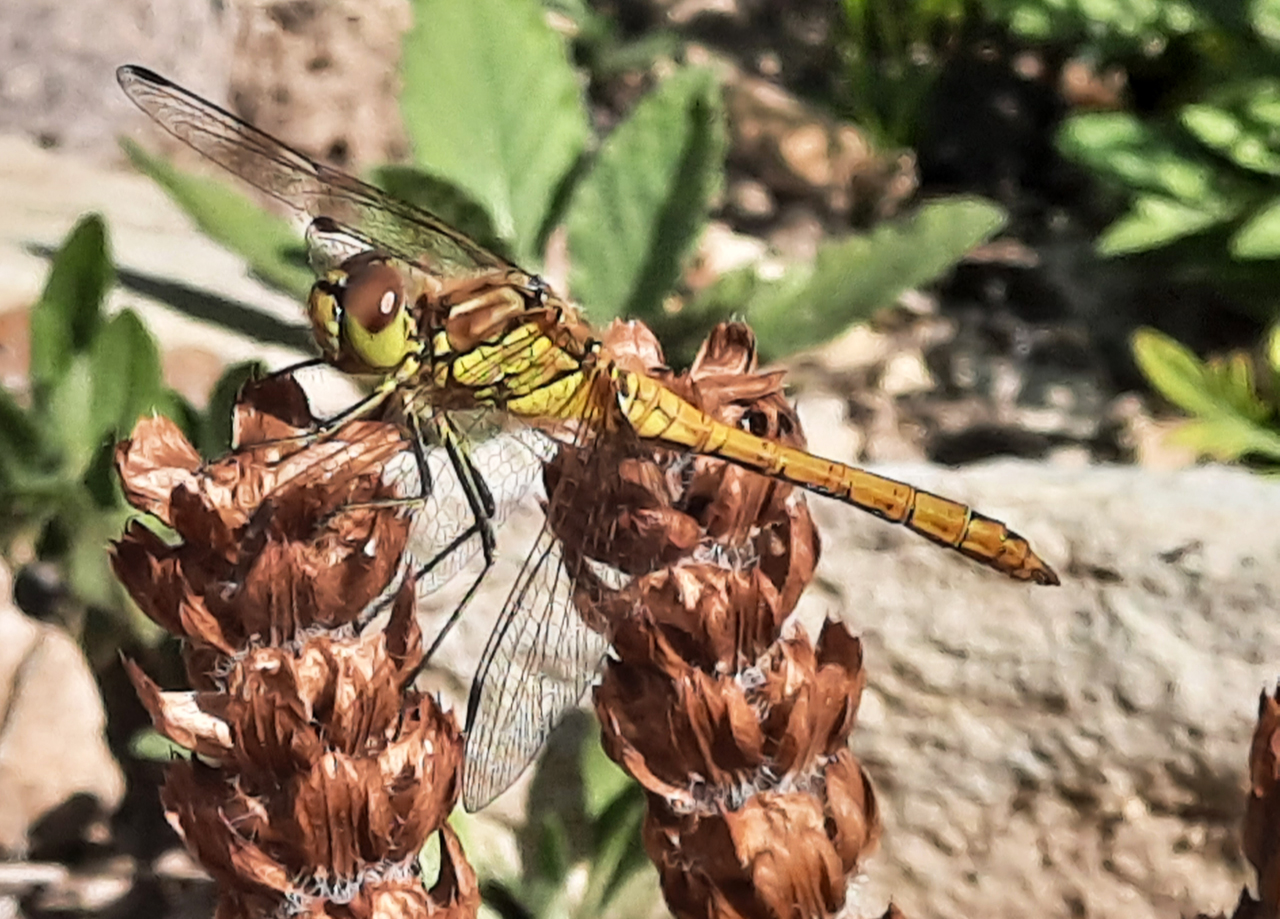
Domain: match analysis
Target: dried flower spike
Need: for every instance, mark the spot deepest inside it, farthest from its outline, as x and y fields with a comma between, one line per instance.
x=316, y=781
x=756, y=807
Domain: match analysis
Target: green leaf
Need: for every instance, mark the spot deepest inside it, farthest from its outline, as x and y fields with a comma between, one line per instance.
x=126, y=374
x=271, y=245
x=1259, y=238
x=602, y=780
x=150, y=744
x=1154, y=222
x=1243, y=125
x=1227, y=438
x=20, y=440
x=1206, y=389
x=215, y=428
x=443, y=199
x=635, y=217
x=1264, y=17
x=618, y=852
x=68, y=421
x=1137, y=155
x=69, y=311
x=88, y=565
x=491, y=105
x=852, y=278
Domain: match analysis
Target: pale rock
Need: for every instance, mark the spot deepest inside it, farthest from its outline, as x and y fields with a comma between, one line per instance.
x=52, y=743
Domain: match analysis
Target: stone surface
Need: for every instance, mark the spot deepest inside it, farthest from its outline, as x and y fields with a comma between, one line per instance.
x=1070, y=751
x=53, y=752
x=58, y=82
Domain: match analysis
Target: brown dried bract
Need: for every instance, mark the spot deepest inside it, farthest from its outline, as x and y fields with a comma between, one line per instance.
x=1262, y=811
x=276, y=537
x=318, y=778
x=756, y=806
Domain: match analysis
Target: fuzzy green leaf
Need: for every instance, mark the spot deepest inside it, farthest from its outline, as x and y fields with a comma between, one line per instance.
x=68, y=421
x=150, y=744
x=853, y=277
x=1242, y=124
x=127, y=378
x=20, y=442
x=1227, y=438
x=492, y=105
x=69, y=312
x=635, y=217
x=1264, y=17
x=272, y=246
x=1230, y=420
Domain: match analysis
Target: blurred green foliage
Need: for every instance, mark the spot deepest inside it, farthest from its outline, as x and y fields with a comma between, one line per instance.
x=1197, y=158
x=92, y=376
x=597, y=868
x=1233, y=401
x=1198, y=170
x=504, y=150
x=1192, y=163
x=894, y=51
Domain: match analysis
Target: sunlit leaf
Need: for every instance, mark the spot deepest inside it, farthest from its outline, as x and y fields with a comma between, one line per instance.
x=492, y=105
x=127, y=379
x=635, y=217
x=1264, y=16
x=150, y=744
x=854, y=277
x=1137, y=155
x=1175, y=372
x=1242, y=124
x=1259, y=238
x=1227, y=438
x=602, y=779
x=68, y=421
x=1155, y=222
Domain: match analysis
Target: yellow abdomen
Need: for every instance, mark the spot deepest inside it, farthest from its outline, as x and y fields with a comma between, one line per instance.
x=657, y=413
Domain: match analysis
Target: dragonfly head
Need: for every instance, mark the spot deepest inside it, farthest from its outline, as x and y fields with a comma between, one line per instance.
x=360, y=317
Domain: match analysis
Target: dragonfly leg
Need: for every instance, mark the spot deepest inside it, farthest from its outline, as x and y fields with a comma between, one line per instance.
x=483, y=509
x=329, y=426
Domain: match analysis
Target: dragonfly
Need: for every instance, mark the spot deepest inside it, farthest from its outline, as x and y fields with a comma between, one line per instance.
x=447, y=327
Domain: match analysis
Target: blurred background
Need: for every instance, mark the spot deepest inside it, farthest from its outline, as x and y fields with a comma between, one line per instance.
x=1022, y=252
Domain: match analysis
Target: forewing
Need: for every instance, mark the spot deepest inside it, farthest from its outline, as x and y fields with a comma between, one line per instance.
x=539, y=660
x=309, y=188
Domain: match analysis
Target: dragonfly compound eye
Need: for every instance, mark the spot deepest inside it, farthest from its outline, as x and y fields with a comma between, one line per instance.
x=376, y=326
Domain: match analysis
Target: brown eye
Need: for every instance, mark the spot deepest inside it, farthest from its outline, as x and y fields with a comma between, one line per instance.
x=373, y=296
x=376, y=328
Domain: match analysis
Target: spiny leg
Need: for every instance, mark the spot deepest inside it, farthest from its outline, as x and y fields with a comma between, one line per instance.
x=483, y=509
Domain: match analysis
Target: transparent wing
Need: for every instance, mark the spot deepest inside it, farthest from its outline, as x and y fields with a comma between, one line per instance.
x=347, y=206
x=511, y=465
x=538, y=662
